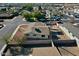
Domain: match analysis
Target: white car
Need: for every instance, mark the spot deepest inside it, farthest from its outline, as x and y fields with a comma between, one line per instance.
x=76, y=24
x=1, y=25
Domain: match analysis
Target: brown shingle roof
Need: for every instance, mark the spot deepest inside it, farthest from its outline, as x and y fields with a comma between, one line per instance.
x=70, y=51
x=42, y=26
x=19, y=34
x=27, y=28
x=45, y=51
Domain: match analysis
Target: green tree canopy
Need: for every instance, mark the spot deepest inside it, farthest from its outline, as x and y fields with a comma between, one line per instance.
x=28, y=7
x=33, y=16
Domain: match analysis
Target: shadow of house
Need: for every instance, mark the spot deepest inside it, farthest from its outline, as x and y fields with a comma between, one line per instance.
x=65, y=43
x=7, y=15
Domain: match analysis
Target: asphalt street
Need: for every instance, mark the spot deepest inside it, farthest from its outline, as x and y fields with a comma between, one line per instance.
x=9, y=29
x=74, y=30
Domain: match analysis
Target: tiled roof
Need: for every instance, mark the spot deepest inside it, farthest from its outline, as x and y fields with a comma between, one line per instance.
x=69, y=51
x=43, y=28
x=45, y=51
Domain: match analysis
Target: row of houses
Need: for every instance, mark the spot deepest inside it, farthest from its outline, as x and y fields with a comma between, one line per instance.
x=71, y=8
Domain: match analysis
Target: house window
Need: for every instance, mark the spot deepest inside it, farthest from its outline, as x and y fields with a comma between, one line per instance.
x=43, y=35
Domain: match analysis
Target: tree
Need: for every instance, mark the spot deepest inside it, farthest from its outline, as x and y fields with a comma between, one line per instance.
x=39, y=15
x=33, y=16
x=28, y=7
x=29, y=17
x=3, y=10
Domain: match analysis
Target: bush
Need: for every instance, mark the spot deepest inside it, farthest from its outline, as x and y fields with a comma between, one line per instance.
x=33, y=16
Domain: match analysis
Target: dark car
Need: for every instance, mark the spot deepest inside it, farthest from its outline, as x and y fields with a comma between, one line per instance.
x=57, y=18
x=1, y=20
x=65, y=16
x=76, y=15
x=60, y=22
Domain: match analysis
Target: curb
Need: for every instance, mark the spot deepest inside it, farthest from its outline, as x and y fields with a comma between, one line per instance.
x=3, y=27
x=15, y=31
x=68, y=34
x=2, y=50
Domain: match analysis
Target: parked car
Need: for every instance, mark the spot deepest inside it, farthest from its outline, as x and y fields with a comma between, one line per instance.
x=76, y=24
x=42, y=20
x=57, y=18
x=65, y=16
x=60, y=22
x=1, y=25
x=1, y=20
x=76, y=15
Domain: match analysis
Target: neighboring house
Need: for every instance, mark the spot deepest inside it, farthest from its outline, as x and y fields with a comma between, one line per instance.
x=68, y=9
x=38, y=30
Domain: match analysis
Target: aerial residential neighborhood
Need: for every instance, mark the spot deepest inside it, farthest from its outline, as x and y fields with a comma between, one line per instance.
x=39, y=29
